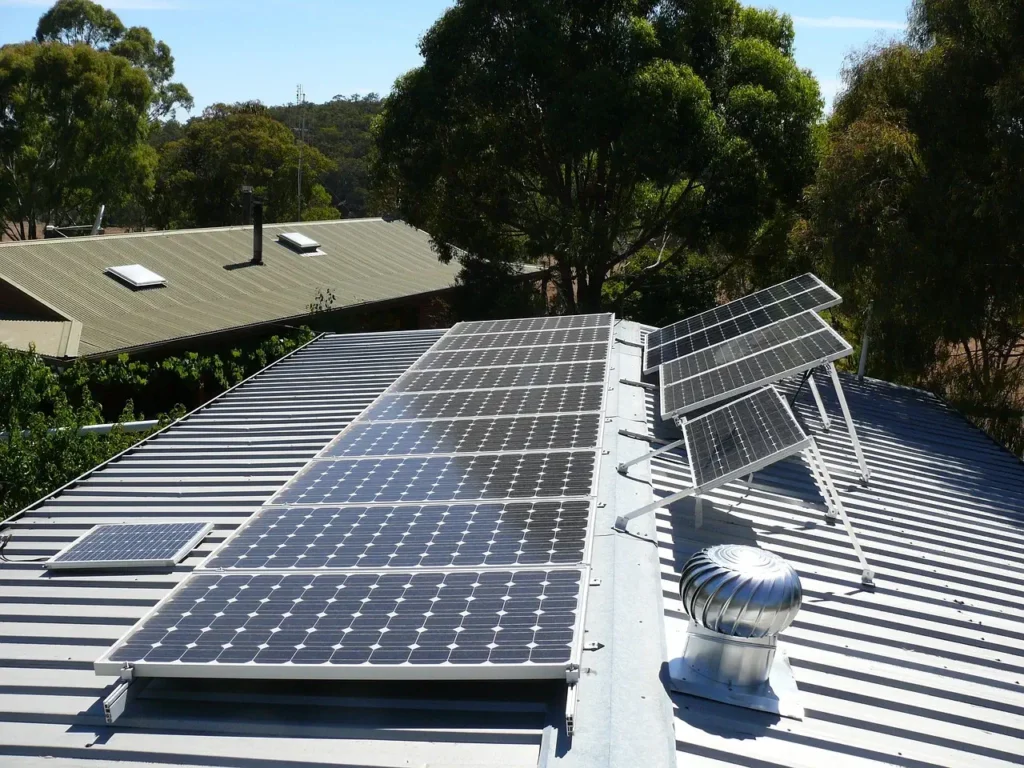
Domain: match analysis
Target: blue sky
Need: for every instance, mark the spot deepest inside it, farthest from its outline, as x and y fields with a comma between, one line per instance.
x=233, y=50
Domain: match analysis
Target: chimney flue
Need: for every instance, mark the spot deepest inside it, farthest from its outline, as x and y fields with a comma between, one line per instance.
x=257, y=231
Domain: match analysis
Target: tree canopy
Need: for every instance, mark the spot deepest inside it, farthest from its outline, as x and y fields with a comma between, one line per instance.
x=74, y=22
x=585, y=132
x=72, y=130
x=918, y=206
x=200, y=176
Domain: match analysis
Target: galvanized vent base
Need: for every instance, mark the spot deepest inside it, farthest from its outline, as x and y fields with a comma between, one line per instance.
x=692, y=675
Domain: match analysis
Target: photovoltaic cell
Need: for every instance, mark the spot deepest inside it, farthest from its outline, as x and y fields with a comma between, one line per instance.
x=332, y=625
x=527, y=324
x=743, y=346
x=750, y=372
x=728, y=441
x=524, y=433
x=487, y=378
x=412, y=536
x=532, y=339
x=492, y=402
x=749, y=303
x=729, y=329
x=455, y=478
x=147, y=545
x=513, y=356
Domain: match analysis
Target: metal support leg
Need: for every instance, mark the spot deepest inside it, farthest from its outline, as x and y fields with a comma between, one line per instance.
x=622, y=521
x=698, y=513
x=625, y=465
x=825, y=420
x=865, y=473
x=867, y=575
x=830, y=507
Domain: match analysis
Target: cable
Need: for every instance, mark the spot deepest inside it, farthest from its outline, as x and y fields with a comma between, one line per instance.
x=4, y=540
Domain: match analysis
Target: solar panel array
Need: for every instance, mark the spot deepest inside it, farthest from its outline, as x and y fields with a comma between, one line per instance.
x=735, y=318
x=738, y=438
x=148, y=545
x=443, y=534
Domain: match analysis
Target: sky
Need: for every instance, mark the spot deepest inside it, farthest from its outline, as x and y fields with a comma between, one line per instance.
x=236, y=50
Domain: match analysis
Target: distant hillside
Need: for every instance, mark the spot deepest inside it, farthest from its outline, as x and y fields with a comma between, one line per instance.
x=340, y=129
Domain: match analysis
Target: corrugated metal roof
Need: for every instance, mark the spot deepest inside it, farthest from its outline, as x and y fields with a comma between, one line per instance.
x=55, y=338
x=927, y=669
x=219, y=465
x=365, y=261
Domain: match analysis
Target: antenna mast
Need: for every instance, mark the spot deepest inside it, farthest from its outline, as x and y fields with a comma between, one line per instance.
x=300, y=101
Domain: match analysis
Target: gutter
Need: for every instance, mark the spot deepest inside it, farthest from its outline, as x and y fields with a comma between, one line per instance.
x=97, y=429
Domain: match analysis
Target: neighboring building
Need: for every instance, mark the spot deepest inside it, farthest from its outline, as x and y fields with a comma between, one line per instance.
x=924, y=670
x=60, y=295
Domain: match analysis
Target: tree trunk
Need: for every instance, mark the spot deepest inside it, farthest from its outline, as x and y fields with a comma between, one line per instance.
x=31, y=226
x=590, y=294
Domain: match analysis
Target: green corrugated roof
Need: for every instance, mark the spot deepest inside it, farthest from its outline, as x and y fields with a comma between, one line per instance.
x=366, y=260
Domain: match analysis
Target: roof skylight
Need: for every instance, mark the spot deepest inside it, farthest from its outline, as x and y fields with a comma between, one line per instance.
x=297, y=241
x=136, y=275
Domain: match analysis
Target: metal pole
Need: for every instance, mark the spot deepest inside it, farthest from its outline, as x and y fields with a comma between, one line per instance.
x=300, y=99
x=825, y=420
x=865, y=473
x=867, y=575
x=862, y=366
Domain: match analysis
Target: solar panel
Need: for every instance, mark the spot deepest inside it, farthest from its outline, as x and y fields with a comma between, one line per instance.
x=490, y=378
x=487, y=402
x=348, y=625
x=410, y=536
x=743, y=346
x=513, y=356
x=741, y=437
x=526, y=324
x=749, y=303
x=814, y=299
x=452, y=478
x=150, y=545
x=532, y=339
x=478, y=435
x=793, y=357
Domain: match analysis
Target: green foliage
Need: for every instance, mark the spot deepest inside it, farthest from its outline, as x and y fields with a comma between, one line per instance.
x=585, y=133
x=918, y=206
x=492, y=290
x=72, y=133
x=323, y=301
x=74, y=22
x=678, y=289
x=41, y=410
x=340, y=129
x=200, y=175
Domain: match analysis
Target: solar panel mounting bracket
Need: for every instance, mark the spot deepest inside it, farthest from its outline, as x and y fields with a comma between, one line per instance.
x=125, y=690
x=623, y=467
x=641, y=384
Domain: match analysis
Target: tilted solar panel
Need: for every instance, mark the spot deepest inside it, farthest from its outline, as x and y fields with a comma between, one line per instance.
x=749, y=303
x=765, y=367
x=815, y=299
x=773, y=335
x=741, y=437
x=149, y=545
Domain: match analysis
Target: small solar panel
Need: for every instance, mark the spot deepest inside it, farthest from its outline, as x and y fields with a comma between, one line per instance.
x=480, y=435
x=455, y=478
x=487, y=402
x=149, y=545
x=466, y=624
x=797, y=356
x=531, y=339
x=741, y=437
x=739, y=347
x=411, y=536
x=813, y=300
x=592, y=372
x=513, y=356
x=526, y=324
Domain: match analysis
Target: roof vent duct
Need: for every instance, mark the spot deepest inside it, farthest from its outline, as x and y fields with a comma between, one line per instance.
x=739, y=599
x=257, y=231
